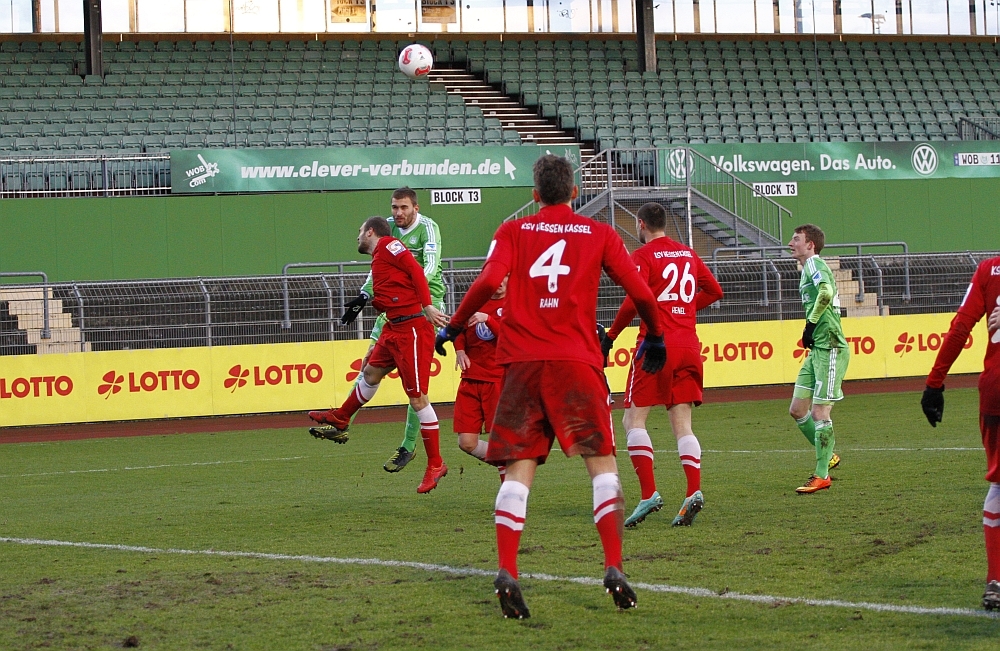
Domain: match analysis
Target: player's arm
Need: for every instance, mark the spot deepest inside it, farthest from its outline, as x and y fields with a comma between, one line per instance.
x=824, y=298
x=406, y=263
x=462, y=360
x=432, y=250
x=353, y=307
x=709, y=289
x=973, y=308
x=620, y=268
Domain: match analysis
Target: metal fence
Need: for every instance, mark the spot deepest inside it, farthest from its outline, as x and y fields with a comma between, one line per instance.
x=979, y=128
x=124, y=315
x=84, y=175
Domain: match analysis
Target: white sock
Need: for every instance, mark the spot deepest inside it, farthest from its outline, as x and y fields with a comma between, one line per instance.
x=689, y=450
x=608, y=495
x=512, y=505
x=639, y=443
x=366, y=391
x=427, y=416
x=992, y=507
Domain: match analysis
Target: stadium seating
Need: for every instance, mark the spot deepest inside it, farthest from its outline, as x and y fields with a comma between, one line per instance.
x=163, y=95
x=747, y=91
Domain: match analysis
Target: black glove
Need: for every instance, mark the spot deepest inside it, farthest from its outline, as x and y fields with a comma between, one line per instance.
x=932, y=403
x=807, y=335
x=606, y=342
x=654, y=351
x=353, y=308
x=447, y=333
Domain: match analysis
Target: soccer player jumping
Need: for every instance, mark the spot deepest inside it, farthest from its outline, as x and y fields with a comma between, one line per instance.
x=818, y=385
x=422, y=237
x=683, y=285
x=554, y=385
x=406, y=342
x=982, y=297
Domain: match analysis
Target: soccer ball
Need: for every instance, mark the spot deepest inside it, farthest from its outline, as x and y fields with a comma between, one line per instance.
x=415, y=61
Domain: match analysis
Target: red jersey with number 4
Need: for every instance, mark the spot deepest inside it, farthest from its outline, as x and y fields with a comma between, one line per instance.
x=555, y=260
x=480, y=343
x=397, y=280
x=982, y=297
x=682, y=285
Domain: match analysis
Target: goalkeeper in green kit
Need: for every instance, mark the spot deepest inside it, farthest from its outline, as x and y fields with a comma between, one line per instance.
x=818, y=385
x=421, y=236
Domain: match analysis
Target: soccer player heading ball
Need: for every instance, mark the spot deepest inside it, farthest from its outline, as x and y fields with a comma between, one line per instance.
x=554, y=385
x=683, y=285
x=406, y=342
x=982, y=297
x=818, y=385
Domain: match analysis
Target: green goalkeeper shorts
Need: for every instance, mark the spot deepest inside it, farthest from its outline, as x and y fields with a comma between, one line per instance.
x=821, y=376
x=380, y=321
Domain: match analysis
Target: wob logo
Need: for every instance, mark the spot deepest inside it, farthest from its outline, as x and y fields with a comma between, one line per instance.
x=924, y=159
x=679, y=164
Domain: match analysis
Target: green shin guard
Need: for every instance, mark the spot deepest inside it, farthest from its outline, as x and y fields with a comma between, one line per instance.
x=808, y=428
x=412, y=432
x=824, y=447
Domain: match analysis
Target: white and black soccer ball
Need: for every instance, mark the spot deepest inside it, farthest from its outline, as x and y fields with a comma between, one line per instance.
x=415, y=61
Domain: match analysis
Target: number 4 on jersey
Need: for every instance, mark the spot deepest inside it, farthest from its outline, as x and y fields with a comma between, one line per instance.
x=552, y=270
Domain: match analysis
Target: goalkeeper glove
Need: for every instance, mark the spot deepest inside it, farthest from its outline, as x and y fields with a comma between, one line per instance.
x=655, y=352
x=807, y=335
x=354, y=308
x=447, y=333
x=607, y=343
x=932, y=403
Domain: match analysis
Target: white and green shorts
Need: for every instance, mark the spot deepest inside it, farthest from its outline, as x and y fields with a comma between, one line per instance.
x=821, y=376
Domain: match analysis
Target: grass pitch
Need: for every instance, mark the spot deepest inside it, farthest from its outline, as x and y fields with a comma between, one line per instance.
x=900, y=527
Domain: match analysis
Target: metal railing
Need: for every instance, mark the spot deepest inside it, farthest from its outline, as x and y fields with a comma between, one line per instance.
x=46, y=331
x=699, y=194
x=84, y=175
x=182, y=312
x=979, y=128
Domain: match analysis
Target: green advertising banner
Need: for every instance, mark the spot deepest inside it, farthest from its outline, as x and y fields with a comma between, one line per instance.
x=840, y=161
x=349, y=168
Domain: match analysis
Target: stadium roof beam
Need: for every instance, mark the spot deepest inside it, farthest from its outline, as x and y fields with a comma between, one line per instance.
x=93, y=35
x=645, y=35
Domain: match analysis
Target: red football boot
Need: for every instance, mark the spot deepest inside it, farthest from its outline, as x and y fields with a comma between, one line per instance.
x=431, y=478
x=330, y=417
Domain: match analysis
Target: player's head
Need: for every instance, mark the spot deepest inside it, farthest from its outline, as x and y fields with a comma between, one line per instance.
x=404, y=207
x=371, y=231
x=807, y=241
x=651, y=219
x=501, y=290
x=553, y=181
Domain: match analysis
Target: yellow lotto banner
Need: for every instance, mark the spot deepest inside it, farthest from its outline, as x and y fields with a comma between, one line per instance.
x=180, y=382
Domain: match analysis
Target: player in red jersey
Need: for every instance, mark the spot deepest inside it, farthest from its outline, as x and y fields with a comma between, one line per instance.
x=682, y=285
x=554, y=385
x=406, y=342
x=479, y=390
x=982, y=297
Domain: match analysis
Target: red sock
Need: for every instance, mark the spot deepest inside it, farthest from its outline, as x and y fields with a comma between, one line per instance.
x=351, y=406
x=640, y=453
x=503, y=472
x=430, y=434
x=693, y=473
x=690, y=453
x=609, y=516
x=511, y=508
x=992, y=535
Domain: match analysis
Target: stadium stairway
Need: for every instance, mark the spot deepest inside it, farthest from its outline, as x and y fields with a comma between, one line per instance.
x=22, y=320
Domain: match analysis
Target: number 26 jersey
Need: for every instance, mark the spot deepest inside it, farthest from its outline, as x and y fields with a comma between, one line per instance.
x=555, y=260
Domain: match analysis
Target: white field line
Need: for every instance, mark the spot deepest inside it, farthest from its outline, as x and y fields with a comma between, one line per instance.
x=807, y=450
x=156, y=467
x=472, y=571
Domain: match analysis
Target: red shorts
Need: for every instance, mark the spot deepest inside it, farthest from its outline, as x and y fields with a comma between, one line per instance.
x=546, y=400
x=990, y=428
x=408, y=347
x=679, y=382
x=475, y=405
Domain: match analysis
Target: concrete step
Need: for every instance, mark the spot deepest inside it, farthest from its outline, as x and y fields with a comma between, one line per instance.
x=14, y=293
x=59, y=335
x=36, y=321
x=34, y=306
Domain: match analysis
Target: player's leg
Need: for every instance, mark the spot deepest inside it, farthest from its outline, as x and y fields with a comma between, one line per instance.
x=362, y=392
x=509, y=515
x=609, y=511
x=410, y=432
x=827, y=391
x=689, y=451
x=430, y=434
x=640, y=453
x=469, y=419
x=989, y=426
x=412, y=351
x=801, y=408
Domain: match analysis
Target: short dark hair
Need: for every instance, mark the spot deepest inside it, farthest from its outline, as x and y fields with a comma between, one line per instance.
x=554, y=179
x=813, y=234
x=654, y=215
x=377, y=224
x=405, y=193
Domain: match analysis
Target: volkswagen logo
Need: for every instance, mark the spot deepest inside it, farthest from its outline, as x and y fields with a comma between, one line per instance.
x=924, y=159
x=678, y=164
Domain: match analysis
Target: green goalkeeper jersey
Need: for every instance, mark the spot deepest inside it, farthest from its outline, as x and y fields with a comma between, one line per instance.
x=829, y=333
x=423, y=239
